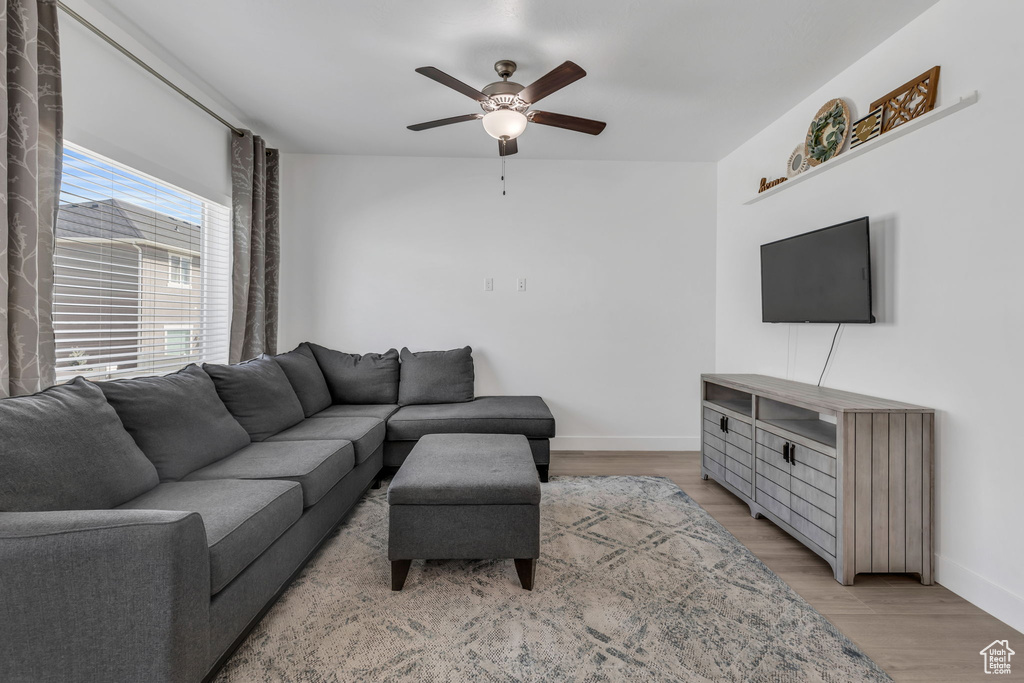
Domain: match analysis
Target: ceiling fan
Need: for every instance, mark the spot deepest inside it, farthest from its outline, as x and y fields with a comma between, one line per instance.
x=506, y=105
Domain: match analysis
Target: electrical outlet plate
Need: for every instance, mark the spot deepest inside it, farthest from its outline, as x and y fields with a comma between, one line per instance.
x=521, y=284
x=489, y=284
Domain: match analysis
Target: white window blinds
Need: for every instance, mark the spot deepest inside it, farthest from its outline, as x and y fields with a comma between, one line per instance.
x=142, y=273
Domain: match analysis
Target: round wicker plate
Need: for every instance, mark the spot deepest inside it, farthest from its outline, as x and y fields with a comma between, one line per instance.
x=828, y=131
x=797, y=161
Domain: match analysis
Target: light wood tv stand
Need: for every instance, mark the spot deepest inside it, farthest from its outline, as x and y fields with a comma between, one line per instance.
x=847, y=475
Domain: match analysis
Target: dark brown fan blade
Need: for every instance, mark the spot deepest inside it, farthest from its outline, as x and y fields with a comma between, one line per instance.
x=507, y=147
x=453, y=83
x=445, y=122
x=588, y=126
x=556, y=79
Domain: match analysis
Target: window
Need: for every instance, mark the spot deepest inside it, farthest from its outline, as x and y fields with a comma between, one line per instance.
x=141, y=273
x=177, y=341
x=181, y=271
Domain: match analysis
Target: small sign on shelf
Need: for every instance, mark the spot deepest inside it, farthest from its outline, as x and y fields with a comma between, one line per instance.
x=769, y=184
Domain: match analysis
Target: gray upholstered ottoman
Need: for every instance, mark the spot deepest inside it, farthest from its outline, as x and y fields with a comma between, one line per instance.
x=465, y=496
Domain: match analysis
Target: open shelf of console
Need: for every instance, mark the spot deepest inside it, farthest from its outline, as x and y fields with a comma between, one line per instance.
x=818, y=431
x=846, y=474
x=741, y=402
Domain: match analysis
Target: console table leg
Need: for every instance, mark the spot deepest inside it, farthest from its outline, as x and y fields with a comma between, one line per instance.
x=526, y=568
x=399, y=571
x=542, y=472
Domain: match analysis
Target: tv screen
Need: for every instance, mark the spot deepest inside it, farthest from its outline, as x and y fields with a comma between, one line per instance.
x=818, y=277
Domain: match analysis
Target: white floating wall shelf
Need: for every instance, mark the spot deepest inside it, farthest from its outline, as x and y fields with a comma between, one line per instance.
x=884, y=139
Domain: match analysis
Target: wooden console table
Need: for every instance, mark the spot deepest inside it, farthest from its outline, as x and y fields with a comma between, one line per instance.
x=847, y=475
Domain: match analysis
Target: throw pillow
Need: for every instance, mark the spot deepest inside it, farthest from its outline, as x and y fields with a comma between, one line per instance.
x=65, y=449
x=259, y=395
x=307, y=380
x=177, y=420
x=370, y=378
x=436, y=377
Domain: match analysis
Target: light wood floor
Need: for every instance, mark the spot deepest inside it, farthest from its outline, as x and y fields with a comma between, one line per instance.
x=914, y=632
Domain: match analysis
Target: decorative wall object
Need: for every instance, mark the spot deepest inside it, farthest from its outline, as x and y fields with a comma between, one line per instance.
x=867, y=128
x=910, y=100
x=936, y=114
x=797, y=161
x=827, y=132
x=769, y=184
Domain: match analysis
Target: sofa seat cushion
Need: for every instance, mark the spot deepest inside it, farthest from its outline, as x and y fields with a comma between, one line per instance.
x=526, y=415
x=365, y=433
x=65, y=449
x=258, y=394
x=316, y=465
x=381, y=411
x=242, y=518
x=178, y=420
x=307, y=380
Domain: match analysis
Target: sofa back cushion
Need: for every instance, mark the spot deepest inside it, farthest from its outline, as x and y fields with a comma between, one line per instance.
x=363, y=379
x=258, y=394
x=177, y=420
x=65, y=449
x=307, y=380
x=436, y=377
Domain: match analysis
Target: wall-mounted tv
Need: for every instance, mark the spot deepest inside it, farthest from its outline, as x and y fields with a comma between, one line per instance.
x=822, y=276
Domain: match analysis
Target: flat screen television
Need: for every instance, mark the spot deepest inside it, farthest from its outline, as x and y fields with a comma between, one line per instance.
x=822, y=276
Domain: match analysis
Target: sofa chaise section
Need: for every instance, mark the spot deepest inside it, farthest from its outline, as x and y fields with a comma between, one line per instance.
x=525, y=415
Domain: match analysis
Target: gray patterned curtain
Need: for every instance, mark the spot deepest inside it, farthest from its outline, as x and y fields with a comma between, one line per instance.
x=31, y=168
x=256, y=247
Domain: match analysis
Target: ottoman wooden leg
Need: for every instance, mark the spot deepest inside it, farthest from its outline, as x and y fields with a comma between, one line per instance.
x=400, y=570
x=526, y=569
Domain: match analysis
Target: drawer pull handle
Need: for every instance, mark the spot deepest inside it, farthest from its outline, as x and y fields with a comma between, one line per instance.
x=726, y=424
x=792, y=454
x=785, y=452
x=721, y=423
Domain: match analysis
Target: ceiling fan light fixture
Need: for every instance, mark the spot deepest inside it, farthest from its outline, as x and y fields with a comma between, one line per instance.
x=505, y=124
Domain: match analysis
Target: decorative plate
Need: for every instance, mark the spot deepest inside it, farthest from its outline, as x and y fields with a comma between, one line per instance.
x=827, y=132
x=797, y=161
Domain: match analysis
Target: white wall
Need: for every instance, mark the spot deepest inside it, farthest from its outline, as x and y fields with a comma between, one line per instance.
x=948, y=239
x=617, y=320
x=114, y=108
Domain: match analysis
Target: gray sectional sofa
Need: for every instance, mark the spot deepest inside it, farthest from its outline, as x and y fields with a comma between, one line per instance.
x=146, y=525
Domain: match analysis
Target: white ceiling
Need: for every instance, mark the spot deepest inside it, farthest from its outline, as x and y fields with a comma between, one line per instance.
x=676, y=80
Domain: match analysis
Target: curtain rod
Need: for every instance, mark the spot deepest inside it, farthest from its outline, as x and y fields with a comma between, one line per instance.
x=123, y=50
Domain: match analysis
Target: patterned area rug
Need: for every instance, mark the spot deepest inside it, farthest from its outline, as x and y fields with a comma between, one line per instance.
x=635, y=582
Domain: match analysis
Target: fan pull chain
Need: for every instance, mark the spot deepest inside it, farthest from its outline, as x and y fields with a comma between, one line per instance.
x=503, y=169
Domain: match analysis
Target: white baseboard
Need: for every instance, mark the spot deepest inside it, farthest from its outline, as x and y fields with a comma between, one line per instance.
x=971, y=586
x=625, y=443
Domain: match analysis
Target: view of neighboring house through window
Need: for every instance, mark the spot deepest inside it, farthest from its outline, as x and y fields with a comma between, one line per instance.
x=181, y=270
x=141, y=273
